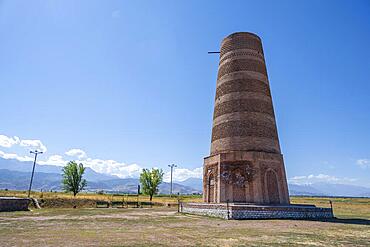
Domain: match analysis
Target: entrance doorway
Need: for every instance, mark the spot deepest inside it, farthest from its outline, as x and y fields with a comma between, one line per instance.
x=211, y=188
x=272, y=187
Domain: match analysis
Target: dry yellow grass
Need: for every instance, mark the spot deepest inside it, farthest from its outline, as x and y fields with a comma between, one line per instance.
x=345, y=207
x=103, y=197
x=163, y=226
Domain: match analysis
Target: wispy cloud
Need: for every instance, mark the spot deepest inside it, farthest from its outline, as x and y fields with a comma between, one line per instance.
x=320, y=178
x=15, y=156
x=8, y=142
x=76, y=152
x=181, y=174
x=54, y=160
x=106, y=166
x=33, y=144
x=111, y=167
x=364, y=163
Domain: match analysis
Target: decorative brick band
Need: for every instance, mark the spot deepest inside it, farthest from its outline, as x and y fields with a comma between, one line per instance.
x=242, y=75
x=241, y=42
x=245, y=143
x=241, y=96
x=244, y=128
x=242, y=53
x=241, y=65
x=243, y=105
x=243, y=85
x=244, y=116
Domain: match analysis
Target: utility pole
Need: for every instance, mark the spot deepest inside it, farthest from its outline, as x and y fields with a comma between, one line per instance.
x=172, y=166
x=33, y=169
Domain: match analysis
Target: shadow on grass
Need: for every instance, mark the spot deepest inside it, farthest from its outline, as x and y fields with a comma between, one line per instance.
x=347, y=221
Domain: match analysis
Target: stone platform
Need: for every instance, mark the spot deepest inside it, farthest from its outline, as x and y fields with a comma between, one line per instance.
x=14, y=204
x=239, y=211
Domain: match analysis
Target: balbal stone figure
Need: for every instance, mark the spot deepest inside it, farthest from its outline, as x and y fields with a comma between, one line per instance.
x=245, y=164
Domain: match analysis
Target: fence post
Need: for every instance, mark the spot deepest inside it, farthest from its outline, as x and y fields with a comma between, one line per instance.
x=331, y=208
x=227, y=208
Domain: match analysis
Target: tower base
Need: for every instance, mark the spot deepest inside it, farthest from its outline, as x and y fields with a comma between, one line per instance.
x=240, y=211
x=245, y=177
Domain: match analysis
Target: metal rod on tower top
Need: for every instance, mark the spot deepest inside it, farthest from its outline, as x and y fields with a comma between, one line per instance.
x=172, y=166
x=213, y=52
x=33, y=169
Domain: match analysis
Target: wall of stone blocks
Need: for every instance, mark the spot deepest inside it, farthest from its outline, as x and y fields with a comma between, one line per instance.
x=251, y=214
x=232, y=212
x=219, y=213
x=14, y=204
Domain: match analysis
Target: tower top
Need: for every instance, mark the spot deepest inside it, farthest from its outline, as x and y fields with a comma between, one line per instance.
x=241, y=34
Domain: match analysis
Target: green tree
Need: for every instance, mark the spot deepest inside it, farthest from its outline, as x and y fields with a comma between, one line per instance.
x=72, y=177
x=150, y=180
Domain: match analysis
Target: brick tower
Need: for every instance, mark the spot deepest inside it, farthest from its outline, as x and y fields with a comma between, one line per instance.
x=245, y=164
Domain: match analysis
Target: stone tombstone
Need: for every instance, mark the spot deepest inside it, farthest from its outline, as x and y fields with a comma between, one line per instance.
x=245, y=164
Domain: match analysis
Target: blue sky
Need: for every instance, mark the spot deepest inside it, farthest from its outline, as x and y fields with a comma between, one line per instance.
x=130, y=83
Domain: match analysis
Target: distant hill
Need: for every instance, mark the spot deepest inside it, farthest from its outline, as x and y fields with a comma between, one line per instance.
x=165, y=188
x=15, y=175
x=15, y=165
x=304, y=190
x=327, y=189
x=16, y=180
x=195, y=183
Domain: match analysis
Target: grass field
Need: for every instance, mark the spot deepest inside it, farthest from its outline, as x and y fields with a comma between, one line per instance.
x=163, y=226
x=102, y=197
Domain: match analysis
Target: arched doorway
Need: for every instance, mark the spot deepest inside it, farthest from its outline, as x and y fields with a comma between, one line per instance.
x=211, y=188
x=272, y=187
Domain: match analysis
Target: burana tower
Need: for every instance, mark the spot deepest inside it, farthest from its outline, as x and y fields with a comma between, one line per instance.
x=244, y=176
x=245, y=163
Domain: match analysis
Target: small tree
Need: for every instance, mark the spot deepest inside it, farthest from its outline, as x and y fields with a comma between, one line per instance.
x=72, y=177
x=150, y=180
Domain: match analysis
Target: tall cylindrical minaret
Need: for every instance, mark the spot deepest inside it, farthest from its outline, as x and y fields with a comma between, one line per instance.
x=245, y=164
x=243, y=118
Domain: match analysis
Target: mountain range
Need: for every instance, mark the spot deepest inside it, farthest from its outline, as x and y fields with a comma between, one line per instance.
x=15, y=175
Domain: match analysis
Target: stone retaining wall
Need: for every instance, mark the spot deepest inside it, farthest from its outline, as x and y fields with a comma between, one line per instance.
x=256, y=212
x=14, y=204
x=220, y=212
